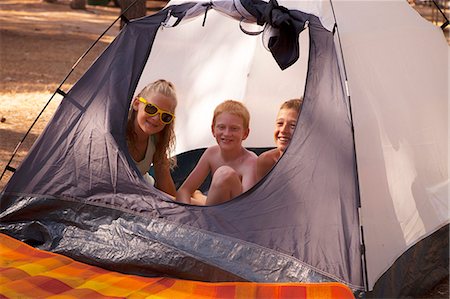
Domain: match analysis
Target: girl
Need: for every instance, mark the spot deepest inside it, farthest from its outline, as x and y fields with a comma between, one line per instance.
x=284, y=128
x=150, y=133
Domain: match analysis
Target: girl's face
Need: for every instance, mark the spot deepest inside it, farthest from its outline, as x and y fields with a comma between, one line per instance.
x=284, y=127
x=229, y=130
x=149, y=125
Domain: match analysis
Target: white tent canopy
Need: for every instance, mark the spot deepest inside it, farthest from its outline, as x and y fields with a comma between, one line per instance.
x=397, y=71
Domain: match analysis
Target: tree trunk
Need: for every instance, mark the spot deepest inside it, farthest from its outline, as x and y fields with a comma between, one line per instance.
x=78, y=4
x=138, y=10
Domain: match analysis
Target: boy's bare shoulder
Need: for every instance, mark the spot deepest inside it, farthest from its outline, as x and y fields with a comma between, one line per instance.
x=269, y=156
x=250, y=155
x=211, y=152
x=212, y=149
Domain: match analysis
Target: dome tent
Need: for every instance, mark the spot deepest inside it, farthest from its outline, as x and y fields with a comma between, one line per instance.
x=78, y=192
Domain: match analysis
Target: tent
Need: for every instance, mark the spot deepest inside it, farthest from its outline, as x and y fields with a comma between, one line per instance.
x=360, y=196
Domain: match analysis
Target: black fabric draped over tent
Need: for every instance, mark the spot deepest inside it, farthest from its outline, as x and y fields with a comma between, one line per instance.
x=78, y=192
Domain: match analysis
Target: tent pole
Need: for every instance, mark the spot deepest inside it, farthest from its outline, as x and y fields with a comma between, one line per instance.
x=58, y=90
x=358, y=191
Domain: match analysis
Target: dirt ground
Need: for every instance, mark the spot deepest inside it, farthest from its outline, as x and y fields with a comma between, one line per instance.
x=39, y=44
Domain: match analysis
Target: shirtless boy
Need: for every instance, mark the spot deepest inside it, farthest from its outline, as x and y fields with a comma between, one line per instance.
x=285, y=124
x=233, y=167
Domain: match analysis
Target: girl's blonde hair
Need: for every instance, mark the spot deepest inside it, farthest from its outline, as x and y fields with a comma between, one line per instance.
x=165, y=140
x=233, y=107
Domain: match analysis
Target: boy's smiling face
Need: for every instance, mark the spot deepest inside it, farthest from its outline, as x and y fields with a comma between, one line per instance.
x=284, y=127
x=229, y=130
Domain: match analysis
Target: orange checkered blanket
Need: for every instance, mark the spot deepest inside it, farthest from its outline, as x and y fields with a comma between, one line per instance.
x=26, y=272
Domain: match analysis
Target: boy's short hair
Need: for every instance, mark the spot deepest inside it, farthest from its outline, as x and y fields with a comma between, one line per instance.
x=295, y=104
x=233, y=107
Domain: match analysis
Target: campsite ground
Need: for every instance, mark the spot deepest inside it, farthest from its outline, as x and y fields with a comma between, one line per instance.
x=39, y=43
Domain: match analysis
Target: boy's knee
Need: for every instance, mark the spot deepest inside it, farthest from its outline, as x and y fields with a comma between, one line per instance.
x=225, y=174
x=226, y=184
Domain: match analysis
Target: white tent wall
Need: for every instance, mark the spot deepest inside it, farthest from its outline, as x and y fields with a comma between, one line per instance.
x=268, y=86
x=397, y=71
x=238, y=67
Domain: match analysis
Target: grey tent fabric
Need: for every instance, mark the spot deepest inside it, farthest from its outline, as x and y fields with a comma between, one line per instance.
x=78, y=192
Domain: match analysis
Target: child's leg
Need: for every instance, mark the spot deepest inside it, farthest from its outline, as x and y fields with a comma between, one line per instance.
x=225, y=185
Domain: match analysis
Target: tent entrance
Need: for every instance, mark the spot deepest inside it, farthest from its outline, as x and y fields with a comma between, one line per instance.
x=213, y=60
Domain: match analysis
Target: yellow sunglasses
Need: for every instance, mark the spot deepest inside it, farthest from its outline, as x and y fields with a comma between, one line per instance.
x=152, y=110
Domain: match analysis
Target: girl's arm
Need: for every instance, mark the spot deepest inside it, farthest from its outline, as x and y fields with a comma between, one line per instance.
x=163, y=178
x=194, y=180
